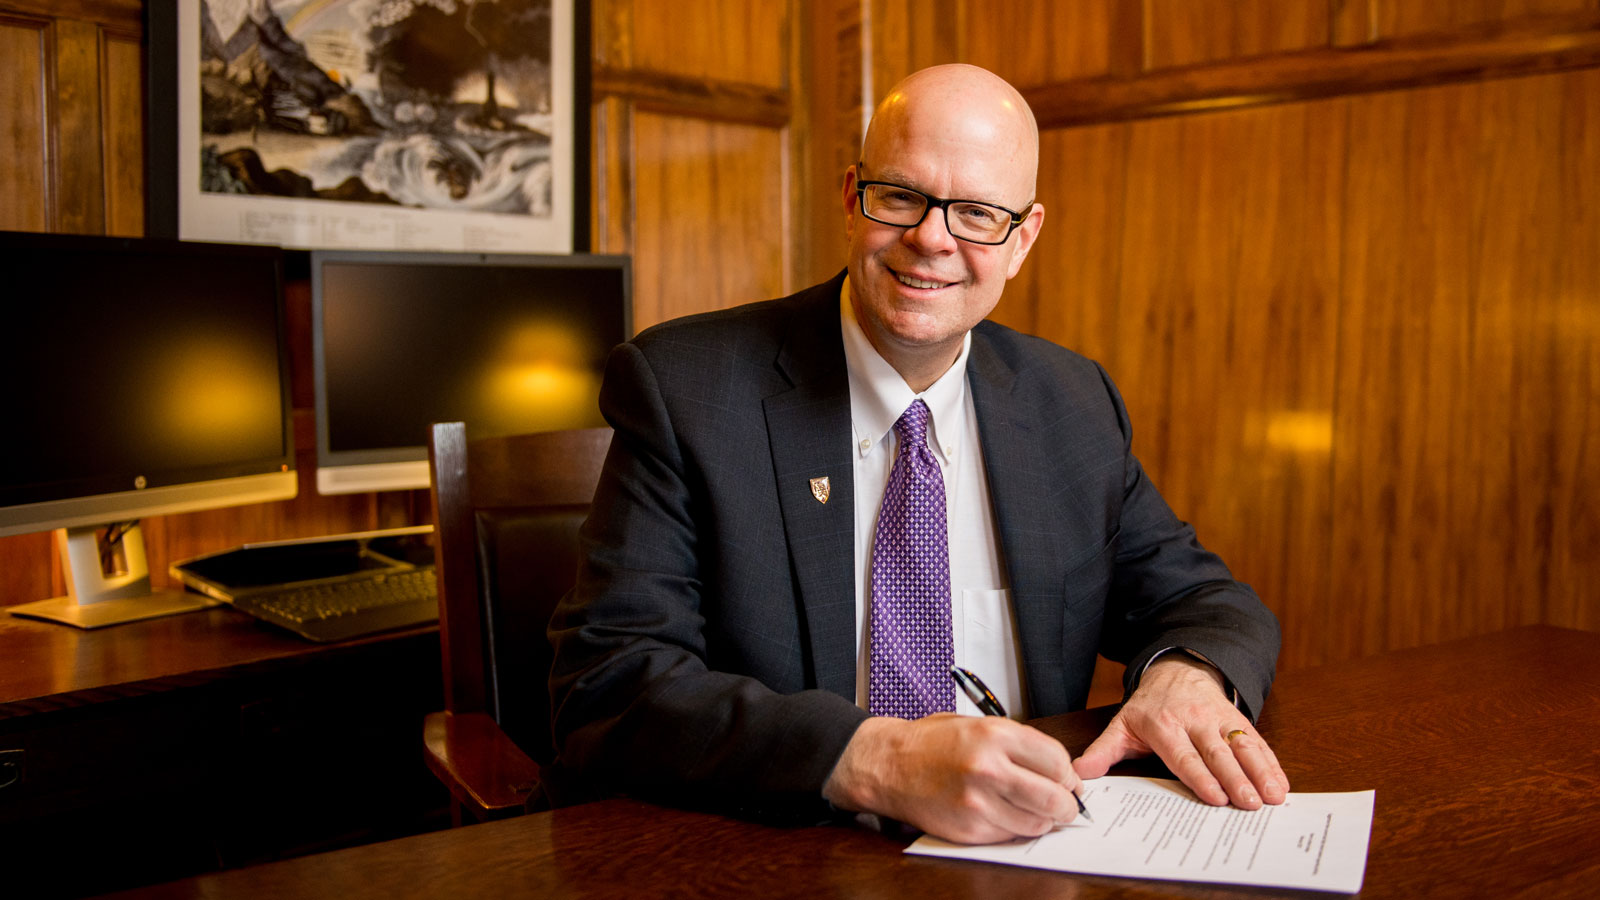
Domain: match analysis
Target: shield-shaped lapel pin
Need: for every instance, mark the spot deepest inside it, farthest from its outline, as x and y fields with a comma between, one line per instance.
x=819, y=489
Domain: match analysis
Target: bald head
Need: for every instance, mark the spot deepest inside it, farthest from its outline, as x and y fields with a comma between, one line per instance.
x=959, y=110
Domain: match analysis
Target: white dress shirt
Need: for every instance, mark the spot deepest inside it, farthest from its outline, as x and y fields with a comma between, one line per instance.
x=983, y=622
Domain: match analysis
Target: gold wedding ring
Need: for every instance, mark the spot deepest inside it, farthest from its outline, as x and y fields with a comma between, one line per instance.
x=1233, y=734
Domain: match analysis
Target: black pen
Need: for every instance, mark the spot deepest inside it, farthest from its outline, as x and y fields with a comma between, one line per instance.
x=988, y=704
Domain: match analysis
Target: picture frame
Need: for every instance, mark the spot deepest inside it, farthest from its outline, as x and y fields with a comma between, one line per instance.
x=444, y=127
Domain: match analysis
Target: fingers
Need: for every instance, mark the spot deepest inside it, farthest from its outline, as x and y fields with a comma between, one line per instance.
x=1017, y=809
x=1244, y=765
x=1046, y=794
x=1036, y=752
x=1259, y=763
x=1222, y=779
x=973, y=780
x=1242, y=770
x=1098, y=758
x=1114, y=745
x=1035, y=781
x=1191, y=758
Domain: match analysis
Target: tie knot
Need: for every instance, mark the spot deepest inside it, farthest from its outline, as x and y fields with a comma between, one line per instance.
x=912, y=426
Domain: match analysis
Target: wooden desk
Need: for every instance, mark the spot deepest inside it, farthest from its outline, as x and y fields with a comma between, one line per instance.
x=46, y=667
x=1485, y=755
x=179, y=745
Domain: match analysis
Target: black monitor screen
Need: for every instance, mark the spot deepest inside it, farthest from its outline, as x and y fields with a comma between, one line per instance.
x=505, y=343
x=132, y=364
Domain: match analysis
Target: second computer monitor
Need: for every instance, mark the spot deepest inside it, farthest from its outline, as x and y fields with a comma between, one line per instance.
x=505, y=343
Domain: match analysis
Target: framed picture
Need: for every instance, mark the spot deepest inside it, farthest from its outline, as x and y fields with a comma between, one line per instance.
x=455, y=125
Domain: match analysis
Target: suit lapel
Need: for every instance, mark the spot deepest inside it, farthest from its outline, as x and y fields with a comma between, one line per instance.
x=809, y=429
x=1020, y=467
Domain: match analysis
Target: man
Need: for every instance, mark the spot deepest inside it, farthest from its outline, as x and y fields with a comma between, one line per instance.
x=725, y=636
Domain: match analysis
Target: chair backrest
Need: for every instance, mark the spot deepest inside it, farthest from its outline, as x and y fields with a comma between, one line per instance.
x=506, y=516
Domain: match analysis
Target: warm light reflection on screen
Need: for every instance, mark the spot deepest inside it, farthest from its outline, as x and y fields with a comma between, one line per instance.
x=211, y=392
x=542, y=341
x=538, y=378
x=539, y=396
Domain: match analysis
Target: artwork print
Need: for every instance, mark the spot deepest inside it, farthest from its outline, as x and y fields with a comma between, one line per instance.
x=400, y=124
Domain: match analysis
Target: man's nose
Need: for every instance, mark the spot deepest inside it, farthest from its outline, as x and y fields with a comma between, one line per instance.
x=932, y=234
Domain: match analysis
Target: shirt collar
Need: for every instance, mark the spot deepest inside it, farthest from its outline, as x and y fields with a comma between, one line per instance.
x=879, y=395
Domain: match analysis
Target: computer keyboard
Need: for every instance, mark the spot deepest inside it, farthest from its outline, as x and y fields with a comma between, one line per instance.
x=348, y=609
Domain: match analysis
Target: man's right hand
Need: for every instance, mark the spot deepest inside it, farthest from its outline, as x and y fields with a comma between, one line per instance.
x=974, y=780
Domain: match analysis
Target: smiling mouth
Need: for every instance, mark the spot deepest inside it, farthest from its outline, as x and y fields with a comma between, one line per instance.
x=913, y=281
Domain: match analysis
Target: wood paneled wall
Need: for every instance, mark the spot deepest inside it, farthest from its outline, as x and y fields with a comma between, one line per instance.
x=699, y=150
x=71, y=117
x=1342, y=261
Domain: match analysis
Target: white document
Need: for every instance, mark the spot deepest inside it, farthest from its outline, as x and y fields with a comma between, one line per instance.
x=1156, y=828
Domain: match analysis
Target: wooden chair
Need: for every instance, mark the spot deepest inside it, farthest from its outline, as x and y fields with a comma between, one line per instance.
x=506, y=513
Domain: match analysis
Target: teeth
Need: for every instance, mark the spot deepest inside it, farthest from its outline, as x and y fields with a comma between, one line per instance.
x=917, y=282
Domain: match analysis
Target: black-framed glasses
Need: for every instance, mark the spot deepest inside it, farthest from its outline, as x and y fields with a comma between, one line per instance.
x=968, y=220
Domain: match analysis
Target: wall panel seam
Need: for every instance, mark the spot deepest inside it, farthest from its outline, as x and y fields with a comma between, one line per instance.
x=103, y=83
x=703, y=98
x=49, y=54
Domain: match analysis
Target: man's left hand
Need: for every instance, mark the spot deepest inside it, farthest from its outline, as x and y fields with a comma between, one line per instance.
x=1181, y=713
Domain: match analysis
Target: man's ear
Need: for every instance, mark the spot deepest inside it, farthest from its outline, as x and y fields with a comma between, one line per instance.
x=849, y=198
x=1027, y=233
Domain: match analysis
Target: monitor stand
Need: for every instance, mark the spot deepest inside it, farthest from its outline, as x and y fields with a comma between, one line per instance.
x=107, y=584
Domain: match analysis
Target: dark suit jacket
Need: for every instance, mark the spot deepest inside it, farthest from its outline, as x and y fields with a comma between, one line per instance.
x=707, y=653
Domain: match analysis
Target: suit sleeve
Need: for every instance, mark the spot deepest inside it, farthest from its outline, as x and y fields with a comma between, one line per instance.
x=635, y=706
x=1170, y=592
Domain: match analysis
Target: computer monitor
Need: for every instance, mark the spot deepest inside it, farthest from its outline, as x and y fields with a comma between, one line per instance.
x=506, y=343
x=142, y=378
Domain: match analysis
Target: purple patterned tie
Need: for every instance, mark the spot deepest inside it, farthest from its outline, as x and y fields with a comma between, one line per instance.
x=911, y=645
